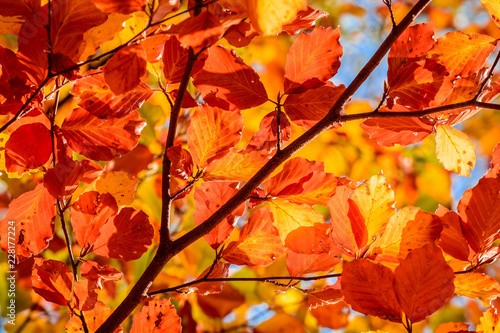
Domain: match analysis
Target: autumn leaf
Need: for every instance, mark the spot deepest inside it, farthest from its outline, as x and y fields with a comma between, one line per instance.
x=267, y=136
x=299, y=264
x=219, y=271
x=125, y=236
x=95, y=272
x=175, y=59
x=101, y=139
x=182, y=162
x=452, y=327
x=93, y=319
x=455, y=150
x=120, y=185
x=221, y=304
x=213, y=132
x=309, y=240
x=328, y=295
x=209, y=197
x=312, y=60
x=157, y=315
x=62, y=180
x=33, y=213
x=238, y=165
x=268, y=17
x=489, y=322
x=334, y=316
x=452, y=240
x=493, y=8
x=259, y=243
x=52, y=280
x=227, y=82
x=120, y=6
x=477, y=285
x=124, y=70
x=305, y=19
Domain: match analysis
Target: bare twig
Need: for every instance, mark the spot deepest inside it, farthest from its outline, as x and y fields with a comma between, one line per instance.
x=388, y=3
x=488, y=77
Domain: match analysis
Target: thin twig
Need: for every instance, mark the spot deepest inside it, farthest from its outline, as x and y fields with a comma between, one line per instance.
x=488, y=77
x=388, y=3
x=278, y=122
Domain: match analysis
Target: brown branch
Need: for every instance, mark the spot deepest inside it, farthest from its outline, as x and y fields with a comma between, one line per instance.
x=165, y=253
x=269, y=279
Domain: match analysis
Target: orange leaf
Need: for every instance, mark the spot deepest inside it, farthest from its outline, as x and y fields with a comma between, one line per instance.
x=453, y=240
x=259, y=243
x=312, y=60
x=307, y=108
x=52, y=280
x=333, y=316
x=100, y=139
x=182, y=162
x=212, y=133
x=305, y=19
x=423, y=282
x=209, y=197
x=368, y=288
x=462, y=53
x=479, y=208
x=33, y=213
x=28, y=147
x=267, y=136
x=477, y=285
x=199, y=32
x=268, y=17
x=329, y=295
x=175, y=59
x=452, y=327
x=236, y=165
x=157, y=316
x=403, y=131
x=94, y=95
x=302, y=264
x=309, y=240
x=493, y=8
x=120, y=6
x=125, y=236
x=84, y=295
x=227, y=82
x=93, y=319
x=288, y=216
x=219, y=271
x=62, y=180
x=221, y=304
x=124, y=70
x=89, y=213
x=95, y=272
x=407, y=230
x=119, y=184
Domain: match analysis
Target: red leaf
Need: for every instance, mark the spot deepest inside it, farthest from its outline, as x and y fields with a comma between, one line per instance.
x=267, y=136
x=305, y=19
x=307, y=108
x=157, y=316
x=124, y=70
x=94, y=95
x=28, y=147
x=302, y=264
x=52, y=280
x=259, y=243
x=89, y=213
x=221, y=304
x=209, y=197
x=479, y=209
x=62, y=180
x=452, y=240
x=84, y=295
x=368, y=288
x=100, y=139
x=403, y=131
x=120, y=6
x=154, y=46
x=227, y=82
x=175, y=59
x=423, y=282
x=187, y=102
x=312, y=60
x=212, y=133
x=219, y=271
x=126, y=236
x=18, y=8
x=93, y=319
x=309, y=240
x=241, y=34
x=182, y=162
x=295, y=172
x=329, y=295
x=15, y=86
x=132, y=162
x=199, y=32
x=33, y=213
x=94, y=272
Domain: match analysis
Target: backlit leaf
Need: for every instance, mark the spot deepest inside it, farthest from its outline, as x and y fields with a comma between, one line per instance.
x=125, y=236
x=299, y=264
x=288, y=216
x=52, y=280
x=124, y=70
x=101, y=139
x=334, y=316
x=93, y=319
x=453, y=241
x=175, y=59
x=268, y=16
x=212, y=133
x=368, y=288
x=120, y=185
x=219, y=271
x=312, y=60
x=490, y=321
x=455, y=150
x=95, y=272
x=452, y=327
x=259, y=243
x=307, y=108
x=477, y=285
x=305, y=19
x=309, y=240
x=423, y=282
x=209, y=197
x=120, y=6
x=329, y=295
x=493, y=8
x=236, y=165
x=94, y=95
x=62, y=180
x=182, y=162
x=227, y=82
x=267, y=136
x=33, y=213
x=157, y=316
x=221, y=304
x=199, y=32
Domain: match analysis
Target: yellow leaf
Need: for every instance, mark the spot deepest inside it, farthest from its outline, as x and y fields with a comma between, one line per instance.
x=455, y=150
x=489, y=322
x=269, y=16
x=236, y=165
x=289, y=216
x=493, y=8
x=477, y=285
x=376, y=203
x=120, y=185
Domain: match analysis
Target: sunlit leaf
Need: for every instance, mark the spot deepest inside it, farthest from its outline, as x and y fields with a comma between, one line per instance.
x=124, y=70
x=455, y=150
x=219, y=271
x=120, y=185
x=221, y=304
x=477, y=285
x=52, y=280
x=157, y=316
x=120, y=6
x=268, y=16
